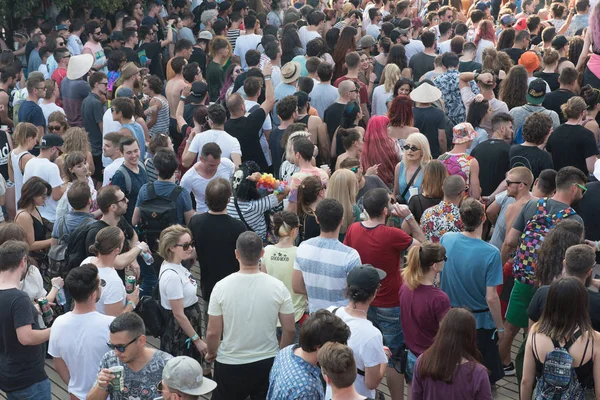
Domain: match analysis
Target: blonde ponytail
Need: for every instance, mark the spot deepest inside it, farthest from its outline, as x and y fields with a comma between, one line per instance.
x=420, y=260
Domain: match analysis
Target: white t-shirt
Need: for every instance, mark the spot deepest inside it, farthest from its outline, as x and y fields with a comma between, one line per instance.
x=175, y=283
x=49, y=172
x=109, y=125
x=250, y=305
x=110, y=169
x=380, y=98
x=373, y=30
x=267, y=126
x=196, y=184
x=444, y=47
x=481, y=46
x=366, y=342
x=48, y=109
x=244, y=43
x=114, y=290
x=33, y=286
x=306, y=36
x=226, y=142
x=80, y=340
x=412, y=48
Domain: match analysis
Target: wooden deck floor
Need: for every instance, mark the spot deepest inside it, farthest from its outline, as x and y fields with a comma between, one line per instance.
x=506, y=389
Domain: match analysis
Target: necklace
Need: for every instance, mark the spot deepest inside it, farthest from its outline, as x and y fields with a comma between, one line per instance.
x=355, y=309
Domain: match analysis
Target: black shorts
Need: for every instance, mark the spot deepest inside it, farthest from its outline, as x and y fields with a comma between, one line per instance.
x=487, y=344
x=98, y=168
x=237, y=382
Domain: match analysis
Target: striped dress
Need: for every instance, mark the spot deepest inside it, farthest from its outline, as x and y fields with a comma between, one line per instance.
x=163, y=119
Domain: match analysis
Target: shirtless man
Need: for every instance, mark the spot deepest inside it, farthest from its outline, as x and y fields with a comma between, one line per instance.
x=173, y=91
x=8, y=79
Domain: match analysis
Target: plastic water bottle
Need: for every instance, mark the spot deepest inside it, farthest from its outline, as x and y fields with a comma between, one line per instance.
x=147, y=256
x=61, y=299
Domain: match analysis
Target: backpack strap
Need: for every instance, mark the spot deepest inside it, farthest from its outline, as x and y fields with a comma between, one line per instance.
x=126, y=177
x=175, y=193
x=237, y=207
x=151, y=191
x=541, y=206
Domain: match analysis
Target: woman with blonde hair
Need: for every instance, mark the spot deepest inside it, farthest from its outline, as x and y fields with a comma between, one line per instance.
x=431, y=194
x=57, y=123
x=422, y=304
x=25, y=139
x=381, y=94
x=114, y=299
x=343, y=187
x=178, y=295
x=76, y=139
x=409, y=172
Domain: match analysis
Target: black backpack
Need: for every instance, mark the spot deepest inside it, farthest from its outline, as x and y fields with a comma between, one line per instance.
x=152, y=312
x=77, y=251
x=58, y=256
x=156, y=214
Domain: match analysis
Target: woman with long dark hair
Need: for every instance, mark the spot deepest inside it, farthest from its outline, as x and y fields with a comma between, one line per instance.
x=565, y=323
x=397, y=55
x=506, y=40
x=350, y=117
x=451, y=367
x=114, y=63
x=345, y=44
x=310, y=194
x=233, y=71
x=478, y=110
x=291, y=46
x=514, y=87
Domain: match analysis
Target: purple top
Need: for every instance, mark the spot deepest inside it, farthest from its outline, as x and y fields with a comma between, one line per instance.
x=72, y=94
x=469, y=383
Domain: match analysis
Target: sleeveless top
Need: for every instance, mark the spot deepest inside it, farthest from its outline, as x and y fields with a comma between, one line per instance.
x=39, y=229
x=458, y=164
x=4, y=152
x=98, y=53
x=162, y=119
x=403, y=181
x=138, y=133
x=18, y=175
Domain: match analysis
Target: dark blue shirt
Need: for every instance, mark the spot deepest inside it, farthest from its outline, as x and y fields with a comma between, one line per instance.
x=137, y=181
x=164, y=189
x=29, y=111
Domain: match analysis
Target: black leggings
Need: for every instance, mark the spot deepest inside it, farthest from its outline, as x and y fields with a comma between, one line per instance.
x=237, y=382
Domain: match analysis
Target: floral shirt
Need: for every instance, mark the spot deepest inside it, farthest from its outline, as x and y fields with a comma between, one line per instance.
x=438, y=220
x=448, y=84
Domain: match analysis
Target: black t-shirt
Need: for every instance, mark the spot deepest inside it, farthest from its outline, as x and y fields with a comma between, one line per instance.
x=535, y=40
x=309, y=228
x=215, y=237
x=215, y=77
x=131, y=54
x=20, y=366
x=589, y=211
x=247, y=131
x=531, y=157
x=199, y=56
x=332, y=118
x=153, y=52
x=277, y=152
x=555, y=99
x=536, y=307
x=570, y=145
x=514, y=54
x=551, y=79
x=429, y=120
x=420, y=64
x=469, y=66
x=188, y=113
x=493, y=158
x=239, y=81
x=419, y=203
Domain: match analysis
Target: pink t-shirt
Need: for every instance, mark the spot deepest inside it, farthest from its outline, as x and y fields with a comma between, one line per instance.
x=299, y=176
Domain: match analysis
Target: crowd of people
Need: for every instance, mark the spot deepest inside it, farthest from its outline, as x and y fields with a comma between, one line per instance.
x=300, y=200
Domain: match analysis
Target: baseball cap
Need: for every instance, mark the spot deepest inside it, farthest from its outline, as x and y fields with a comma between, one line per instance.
x=508, y=19
x=125, y=92
x=184, y=374
x=148, y=21
x=205, y=35
x=239, y=5
x=367, y=41
x=199, y=89
x=396, y=33
x=51, y=140
x=536, y=92
x=61, y=27
x=365, y=276
x=530, y=61
x=521, y=24
x=482, y=6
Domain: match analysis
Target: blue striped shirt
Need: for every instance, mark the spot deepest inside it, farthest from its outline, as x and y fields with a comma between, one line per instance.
x=325, y=264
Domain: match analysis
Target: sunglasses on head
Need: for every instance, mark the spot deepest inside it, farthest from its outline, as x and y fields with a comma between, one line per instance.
x=185, y=246
x=411, y=148
x=120, y=347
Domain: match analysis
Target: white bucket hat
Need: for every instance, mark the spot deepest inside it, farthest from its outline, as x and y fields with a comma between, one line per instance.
x=79, y=66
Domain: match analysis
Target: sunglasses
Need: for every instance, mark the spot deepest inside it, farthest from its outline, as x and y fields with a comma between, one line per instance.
x=411, y=148
x=120, y=347
x=354, y=169
x=185, y=246
x=508, y=183
x=443, y=259
x=580, y=186
x=52, y=128
x=123, y=199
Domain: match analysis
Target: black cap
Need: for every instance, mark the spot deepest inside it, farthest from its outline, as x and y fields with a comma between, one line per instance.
x=536, y=92
x=365, y=276
x=51, y=140
x=199, y=89
x=239, y=5
x=224, y=5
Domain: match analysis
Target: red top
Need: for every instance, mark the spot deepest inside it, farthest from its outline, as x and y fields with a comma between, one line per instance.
x=383, y=248
x=364, y=94
x=421, y=311
x=58, y=75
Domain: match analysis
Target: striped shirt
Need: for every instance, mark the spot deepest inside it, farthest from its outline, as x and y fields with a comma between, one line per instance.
x=232, y=35
x=325, y=264
x=254, y=212
x=162, y=119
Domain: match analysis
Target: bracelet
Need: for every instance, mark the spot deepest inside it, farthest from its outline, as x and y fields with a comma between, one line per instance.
x=408, y=217
x=500, y=330
x=182, y=98
x=267, y=76
x=476, y=76
x=373, y=82
x=195, y=337
x=188, y=342
x=56, y=287
x=140, y=247
x=188, y=141
x=133, y=306
x=597, y=243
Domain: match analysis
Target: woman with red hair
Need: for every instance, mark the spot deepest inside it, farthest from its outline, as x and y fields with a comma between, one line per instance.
x=484, y=38
x=401, y=120
x=379, y=149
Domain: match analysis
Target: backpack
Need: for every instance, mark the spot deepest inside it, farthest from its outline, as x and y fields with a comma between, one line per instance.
x=519, y=132
x=77, y=251
x=558, y=380
x=152, y=312
x=127, y=178
x=533, y=235
x=156, y=214
x=58, y=256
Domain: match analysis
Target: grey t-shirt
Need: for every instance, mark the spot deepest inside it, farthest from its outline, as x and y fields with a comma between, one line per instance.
x=139, y=385
x=499, y=234
x=521, y=113
x=371, y=182
x=529, y=210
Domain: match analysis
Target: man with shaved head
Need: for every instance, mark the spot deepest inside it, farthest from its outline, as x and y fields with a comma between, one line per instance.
x=247, y=128
x=348, y=91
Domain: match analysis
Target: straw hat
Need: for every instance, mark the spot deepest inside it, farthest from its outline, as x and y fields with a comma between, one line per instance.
x=79, y=66
x=425, y=93
x=290, y=72
x=129, y=70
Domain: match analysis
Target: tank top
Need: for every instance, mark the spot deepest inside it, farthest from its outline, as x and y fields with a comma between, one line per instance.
x=162, y=120
x=98, y=53
x=403, y=181
x=138, y=133
x=39, y=229
x=18, y=175
x=4, y=152
x=458, y=164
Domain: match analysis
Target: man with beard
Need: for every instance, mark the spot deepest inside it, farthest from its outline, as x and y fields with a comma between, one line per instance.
x=78, y=365
x=44, y=167
x=92, y=110
x=570, y=187
x=9, y=76
x=22, y=341
x=142, y=366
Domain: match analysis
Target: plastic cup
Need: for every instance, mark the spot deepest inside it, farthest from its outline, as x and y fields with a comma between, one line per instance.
x=118, y=383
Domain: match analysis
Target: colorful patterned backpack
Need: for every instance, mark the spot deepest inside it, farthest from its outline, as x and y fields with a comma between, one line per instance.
x=532, y=237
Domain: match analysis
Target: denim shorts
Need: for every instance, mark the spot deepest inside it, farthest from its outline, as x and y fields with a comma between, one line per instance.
x=411, y=360
x=37, y=391
x=387, y=320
